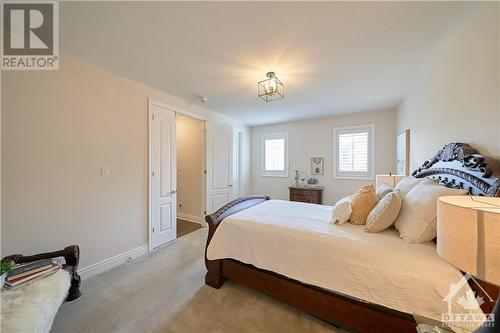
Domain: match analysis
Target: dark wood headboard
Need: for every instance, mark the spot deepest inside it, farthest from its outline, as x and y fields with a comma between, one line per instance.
x=458, y=165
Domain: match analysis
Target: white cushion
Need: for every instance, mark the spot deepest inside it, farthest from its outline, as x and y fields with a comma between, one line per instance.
x=407, y=184
x=383, y=215
x=342, y=211
x=382, y=190
x=417, y=219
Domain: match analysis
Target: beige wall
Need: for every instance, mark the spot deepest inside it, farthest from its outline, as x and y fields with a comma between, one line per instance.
x=190, y=166
x=313, y=138
x=1, y=177
x=58, y=129
x=455, y=98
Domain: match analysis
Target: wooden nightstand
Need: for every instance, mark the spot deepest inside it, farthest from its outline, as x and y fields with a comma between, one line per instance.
x=309, y=194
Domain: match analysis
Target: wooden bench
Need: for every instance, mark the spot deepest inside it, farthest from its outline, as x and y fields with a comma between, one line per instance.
x=32, y=307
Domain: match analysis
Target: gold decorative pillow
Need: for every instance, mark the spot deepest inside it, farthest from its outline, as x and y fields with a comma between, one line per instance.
x=362, y=203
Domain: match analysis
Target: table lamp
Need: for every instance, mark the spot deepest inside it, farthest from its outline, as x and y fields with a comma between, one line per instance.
x=389, y=179
x=468, y=237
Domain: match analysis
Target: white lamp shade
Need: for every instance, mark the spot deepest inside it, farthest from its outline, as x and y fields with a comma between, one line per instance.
x=391, y=180
x=468, y=235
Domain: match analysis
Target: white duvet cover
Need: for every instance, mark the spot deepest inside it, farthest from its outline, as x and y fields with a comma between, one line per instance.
x=296, y=240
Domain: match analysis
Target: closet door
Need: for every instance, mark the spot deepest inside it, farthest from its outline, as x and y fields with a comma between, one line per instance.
x=219, y=165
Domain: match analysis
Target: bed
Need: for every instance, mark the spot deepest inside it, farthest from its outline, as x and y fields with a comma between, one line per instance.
x=356, y=280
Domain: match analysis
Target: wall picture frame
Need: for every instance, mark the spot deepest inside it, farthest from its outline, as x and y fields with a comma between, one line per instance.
x=317, y=165
x=403, y=153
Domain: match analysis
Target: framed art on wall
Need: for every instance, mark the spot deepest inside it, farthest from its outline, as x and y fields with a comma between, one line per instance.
x=403, y=153
x=317, y=165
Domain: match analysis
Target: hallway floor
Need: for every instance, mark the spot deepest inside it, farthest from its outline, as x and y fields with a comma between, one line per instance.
x=185, y=227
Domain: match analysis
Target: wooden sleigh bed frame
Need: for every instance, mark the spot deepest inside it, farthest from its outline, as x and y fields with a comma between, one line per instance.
x=457, y=165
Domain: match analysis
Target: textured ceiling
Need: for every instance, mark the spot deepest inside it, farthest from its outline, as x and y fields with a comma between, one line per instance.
x=333, y=57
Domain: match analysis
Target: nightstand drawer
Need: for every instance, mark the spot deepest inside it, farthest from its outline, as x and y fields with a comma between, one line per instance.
x=307, y=194
x=303, y=192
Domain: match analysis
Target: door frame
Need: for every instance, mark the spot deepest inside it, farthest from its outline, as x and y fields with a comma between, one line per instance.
x=238, y=152
x=152, y=102
x=203, y=193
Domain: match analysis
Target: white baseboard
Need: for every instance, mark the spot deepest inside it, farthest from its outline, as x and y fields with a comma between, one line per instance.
x=190, y=218
x=112, y=262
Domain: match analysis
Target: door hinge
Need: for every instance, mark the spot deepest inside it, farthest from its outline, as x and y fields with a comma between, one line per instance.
x=152, y=173
x=153, y=116
x=204, y=212
x=205, y=171
x=153, y=229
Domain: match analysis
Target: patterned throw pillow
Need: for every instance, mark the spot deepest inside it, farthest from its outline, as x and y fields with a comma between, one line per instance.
x=384, y=213
x=382, y=190
x=362, y=203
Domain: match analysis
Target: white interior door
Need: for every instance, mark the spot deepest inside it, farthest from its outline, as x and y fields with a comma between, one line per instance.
x=219, y=165
x=163, y=175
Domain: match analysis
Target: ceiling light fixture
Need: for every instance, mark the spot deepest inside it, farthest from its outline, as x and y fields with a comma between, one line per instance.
x=271, y=89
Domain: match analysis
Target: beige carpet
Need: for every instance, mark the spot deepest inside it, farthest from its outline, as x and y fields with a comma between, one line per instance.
x=165, y=292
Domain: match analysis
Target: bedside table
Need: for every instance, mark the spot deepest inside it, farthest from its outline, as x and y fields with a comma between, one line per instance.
x=309, y=194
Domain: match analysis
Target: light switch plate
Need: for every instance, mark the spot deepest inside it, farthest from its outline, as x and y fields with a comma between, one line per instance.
x=105, y=171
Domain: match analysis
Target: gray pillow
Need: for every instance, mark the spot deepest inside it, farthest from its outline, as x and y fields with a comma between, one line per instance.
x=382, y=190
x=383, y=215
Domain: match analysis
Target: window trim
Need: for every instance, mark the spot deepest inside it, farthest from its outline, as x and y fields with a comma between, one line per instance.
x=270, y=173
x=370, y=175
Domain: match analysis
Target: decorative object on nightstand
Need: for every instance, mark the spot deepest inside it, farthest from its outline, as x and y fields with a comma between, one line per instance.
x=317, y=165
x=297, y=174
x=389, y=179
x=468, y=233
x=309, y=194
x=312, y=181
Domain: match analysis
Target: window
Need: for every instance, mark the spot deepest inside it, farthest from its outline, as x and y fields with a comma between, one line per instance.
x=275, y=155
x=353, y=152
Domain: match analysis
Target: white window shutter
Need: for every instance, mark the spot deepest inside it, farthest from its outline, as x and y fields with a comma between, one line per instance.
x=353, y=152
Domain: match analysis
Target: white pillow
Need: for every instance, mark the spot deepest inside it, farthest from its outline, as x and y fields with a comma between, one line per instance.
x=342, y=211
x=406, y=184
x=416, y=222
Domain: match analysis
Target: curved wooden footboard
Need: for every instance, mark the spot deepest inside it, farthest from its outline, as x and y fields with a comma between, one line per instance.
x=214, y=276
